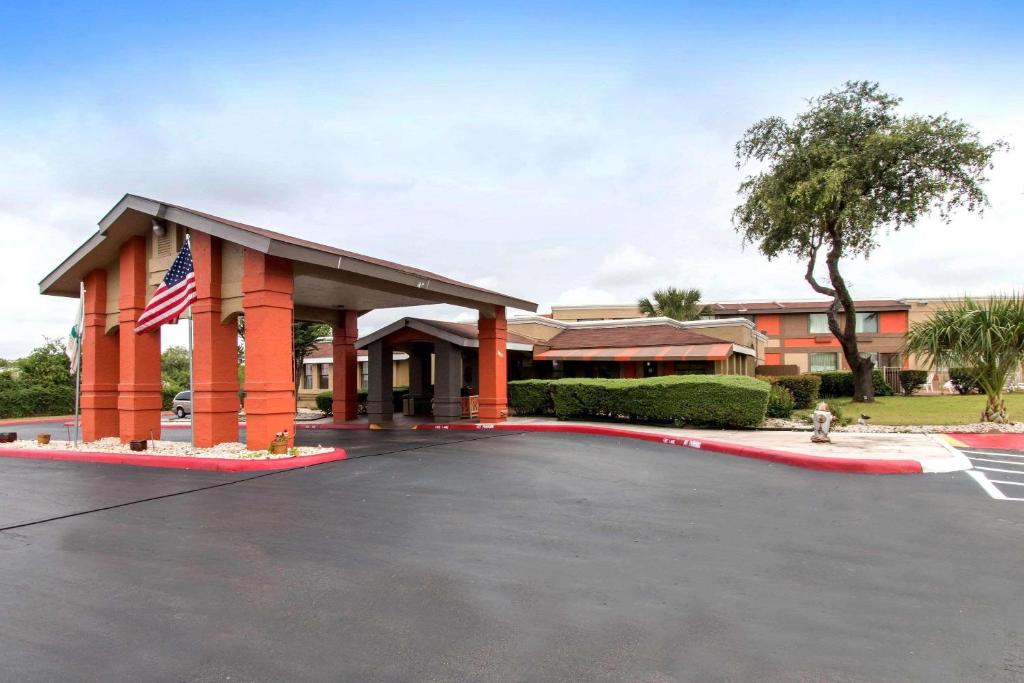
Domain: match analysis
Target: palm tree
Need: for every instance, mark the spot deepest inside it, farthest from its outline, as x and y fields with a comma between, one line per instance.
x=678, y=304
x=987, y=337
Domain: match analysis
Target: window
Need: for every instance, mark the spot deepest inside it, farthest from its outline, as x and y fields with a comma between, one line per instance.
x=364, y=375
x=873, y=356
x=817, y=323
x=867, y=322
x=823, y=362
x=325, y=375
x=307, y=376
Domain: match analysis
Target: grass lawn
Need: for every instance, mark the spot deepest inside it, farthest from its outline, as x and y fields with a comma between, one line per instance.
x=923, y=410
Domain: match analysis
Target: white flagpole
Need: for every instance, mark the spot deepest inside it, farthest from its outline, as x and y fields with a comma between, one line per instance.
x=78, y=370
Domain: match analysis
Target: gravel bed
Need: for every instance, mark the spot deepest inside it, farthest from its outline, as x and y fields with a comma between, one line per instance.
x=169, y=448
x=976, y=428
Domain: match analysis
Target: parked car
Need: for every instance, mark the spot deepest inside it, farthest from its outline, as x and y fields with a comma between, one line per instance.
x=182, y=404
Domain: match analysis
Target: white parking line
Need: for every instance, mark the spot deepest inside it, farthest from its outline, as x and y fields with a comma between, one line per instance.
x=988, y=486
x=1001, y=454
x=1005, y=462
x=1011, y=483
x=996, y=469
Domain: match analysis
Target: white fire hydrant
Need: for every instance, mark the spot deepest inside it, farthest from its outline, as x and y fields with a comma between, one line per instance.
x=821, y=418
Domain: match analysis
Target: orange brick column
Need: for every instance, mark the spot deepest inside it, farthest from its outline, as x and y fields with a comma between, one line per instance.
x=493, y=367
x=214, y=351
x=99, y=363
x=139, y=396
x=267, y=288
x=346, y=367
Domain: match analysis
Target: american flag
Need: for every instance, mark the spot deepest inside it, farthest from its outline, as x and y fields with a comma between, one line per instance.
x=173, y=296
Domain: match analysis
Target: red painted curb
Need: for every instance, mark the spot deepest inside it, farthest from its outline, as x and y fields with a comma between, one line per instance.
x=1009, y=442
x=830, y=464
x=241, y=425
x=177, y=462
x=333, y=425
x=33, y=420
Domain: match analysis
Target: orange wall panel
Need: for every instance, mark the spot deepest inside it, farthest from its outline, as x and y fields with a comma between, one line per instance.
x=892, y=322
x=769, y=323
x=773, y=359
x=810, y=342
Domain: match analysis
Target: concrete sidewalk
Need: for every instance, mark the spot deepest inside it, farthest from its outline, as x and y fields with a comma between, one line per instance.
x=852, y=452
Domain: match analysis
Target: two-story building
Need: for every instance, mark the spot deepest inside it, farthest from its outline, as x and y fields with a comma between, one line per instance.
x=797, y=331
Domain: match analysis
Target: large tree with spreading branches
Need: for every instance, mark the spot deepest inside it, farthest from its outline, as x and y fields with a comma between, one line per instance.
x=842, y=174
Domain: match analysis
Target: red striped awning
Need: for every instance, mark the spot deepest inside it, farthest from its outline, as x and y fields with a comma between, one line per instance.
x=688, y=352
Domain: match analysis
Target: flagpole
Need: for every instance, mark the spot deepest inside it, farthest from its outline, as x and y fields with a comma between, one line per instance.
x=191, y=369
x=78, y=369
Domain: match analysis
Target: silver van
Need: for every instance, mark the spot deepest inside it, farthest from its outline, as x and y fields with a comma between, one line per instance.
x=182, y=404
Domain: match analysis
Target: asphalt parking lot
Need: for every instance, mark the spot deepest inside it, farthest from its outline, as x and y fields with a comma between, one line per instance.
x=506, y=556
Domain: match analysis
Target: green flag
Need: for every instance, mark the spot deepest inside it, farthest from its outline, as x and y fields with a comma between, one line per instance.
x=75, y=337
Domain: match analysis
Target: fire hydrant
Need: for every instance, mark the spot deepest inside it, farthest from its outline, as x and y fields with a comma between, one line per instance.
x=821, y=418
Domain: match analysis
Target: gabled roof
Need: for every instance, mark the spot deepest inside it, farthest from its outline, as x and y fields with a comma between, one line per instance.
x=460, y=334
x=624, y=336
x=405, y=284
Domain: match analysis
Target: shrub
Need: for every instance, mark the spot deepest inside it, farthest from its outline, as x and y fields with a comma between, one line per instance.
x=531, y=397
x=776, y=370
x=805, y=389
x=30, y=401
x=780, y=402
x=840, y=383
x=325, y=402
x=717, y=400
x=963, y=380
x=912, y=380
x=838, y=419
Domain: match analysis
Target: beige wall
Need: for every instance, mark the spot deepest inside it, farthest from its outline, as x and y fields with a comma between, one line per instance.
x=307, y=397
x=596, y=313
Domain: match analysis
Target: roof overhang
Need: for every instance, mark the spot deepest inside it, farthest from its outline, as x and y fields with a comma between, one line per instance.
x=688, y=352
x=429, y=330
x=324, y=276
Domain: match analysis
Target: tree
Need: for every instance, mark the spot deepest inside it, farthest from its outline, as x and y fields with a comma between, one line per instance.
x=304, y=340
x=678, y=304
x=175, y=368
x=843, y=173
x=46, y=365
x=984, y=337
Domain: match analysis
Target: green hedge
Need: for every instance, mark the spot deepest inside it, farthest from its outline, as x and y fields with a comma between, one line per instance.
x=963, y=380
x=31, y=401
x=531, y=397
x=805, y=388
x=325, y=402
x=780, y=402
x=840, y=383
x=912, y=380
x=718, y=400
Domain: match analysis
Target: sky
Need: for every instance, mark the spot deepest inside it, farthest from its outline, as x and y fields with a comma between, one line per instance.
x=565, y=153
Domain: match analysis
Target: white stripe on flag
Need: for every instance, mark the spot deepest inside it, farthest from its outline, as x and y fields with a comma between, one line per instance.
x=167, y=304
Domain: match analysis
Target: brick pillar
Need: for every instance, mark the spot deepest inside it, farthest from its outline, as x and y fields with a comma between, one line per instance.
x=267, y=288
x=346, y=368
x=99, y=363
x=139, y=397
x=214, y=351
x=493, y=367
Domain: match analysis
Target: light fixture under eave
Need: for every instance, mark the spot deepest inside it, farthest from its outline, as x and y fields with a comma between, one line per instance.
x=159, y=229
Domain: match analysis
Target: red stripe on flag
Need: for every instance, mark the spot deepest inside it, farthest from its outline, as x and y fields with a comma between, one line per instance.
x=187, y=295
